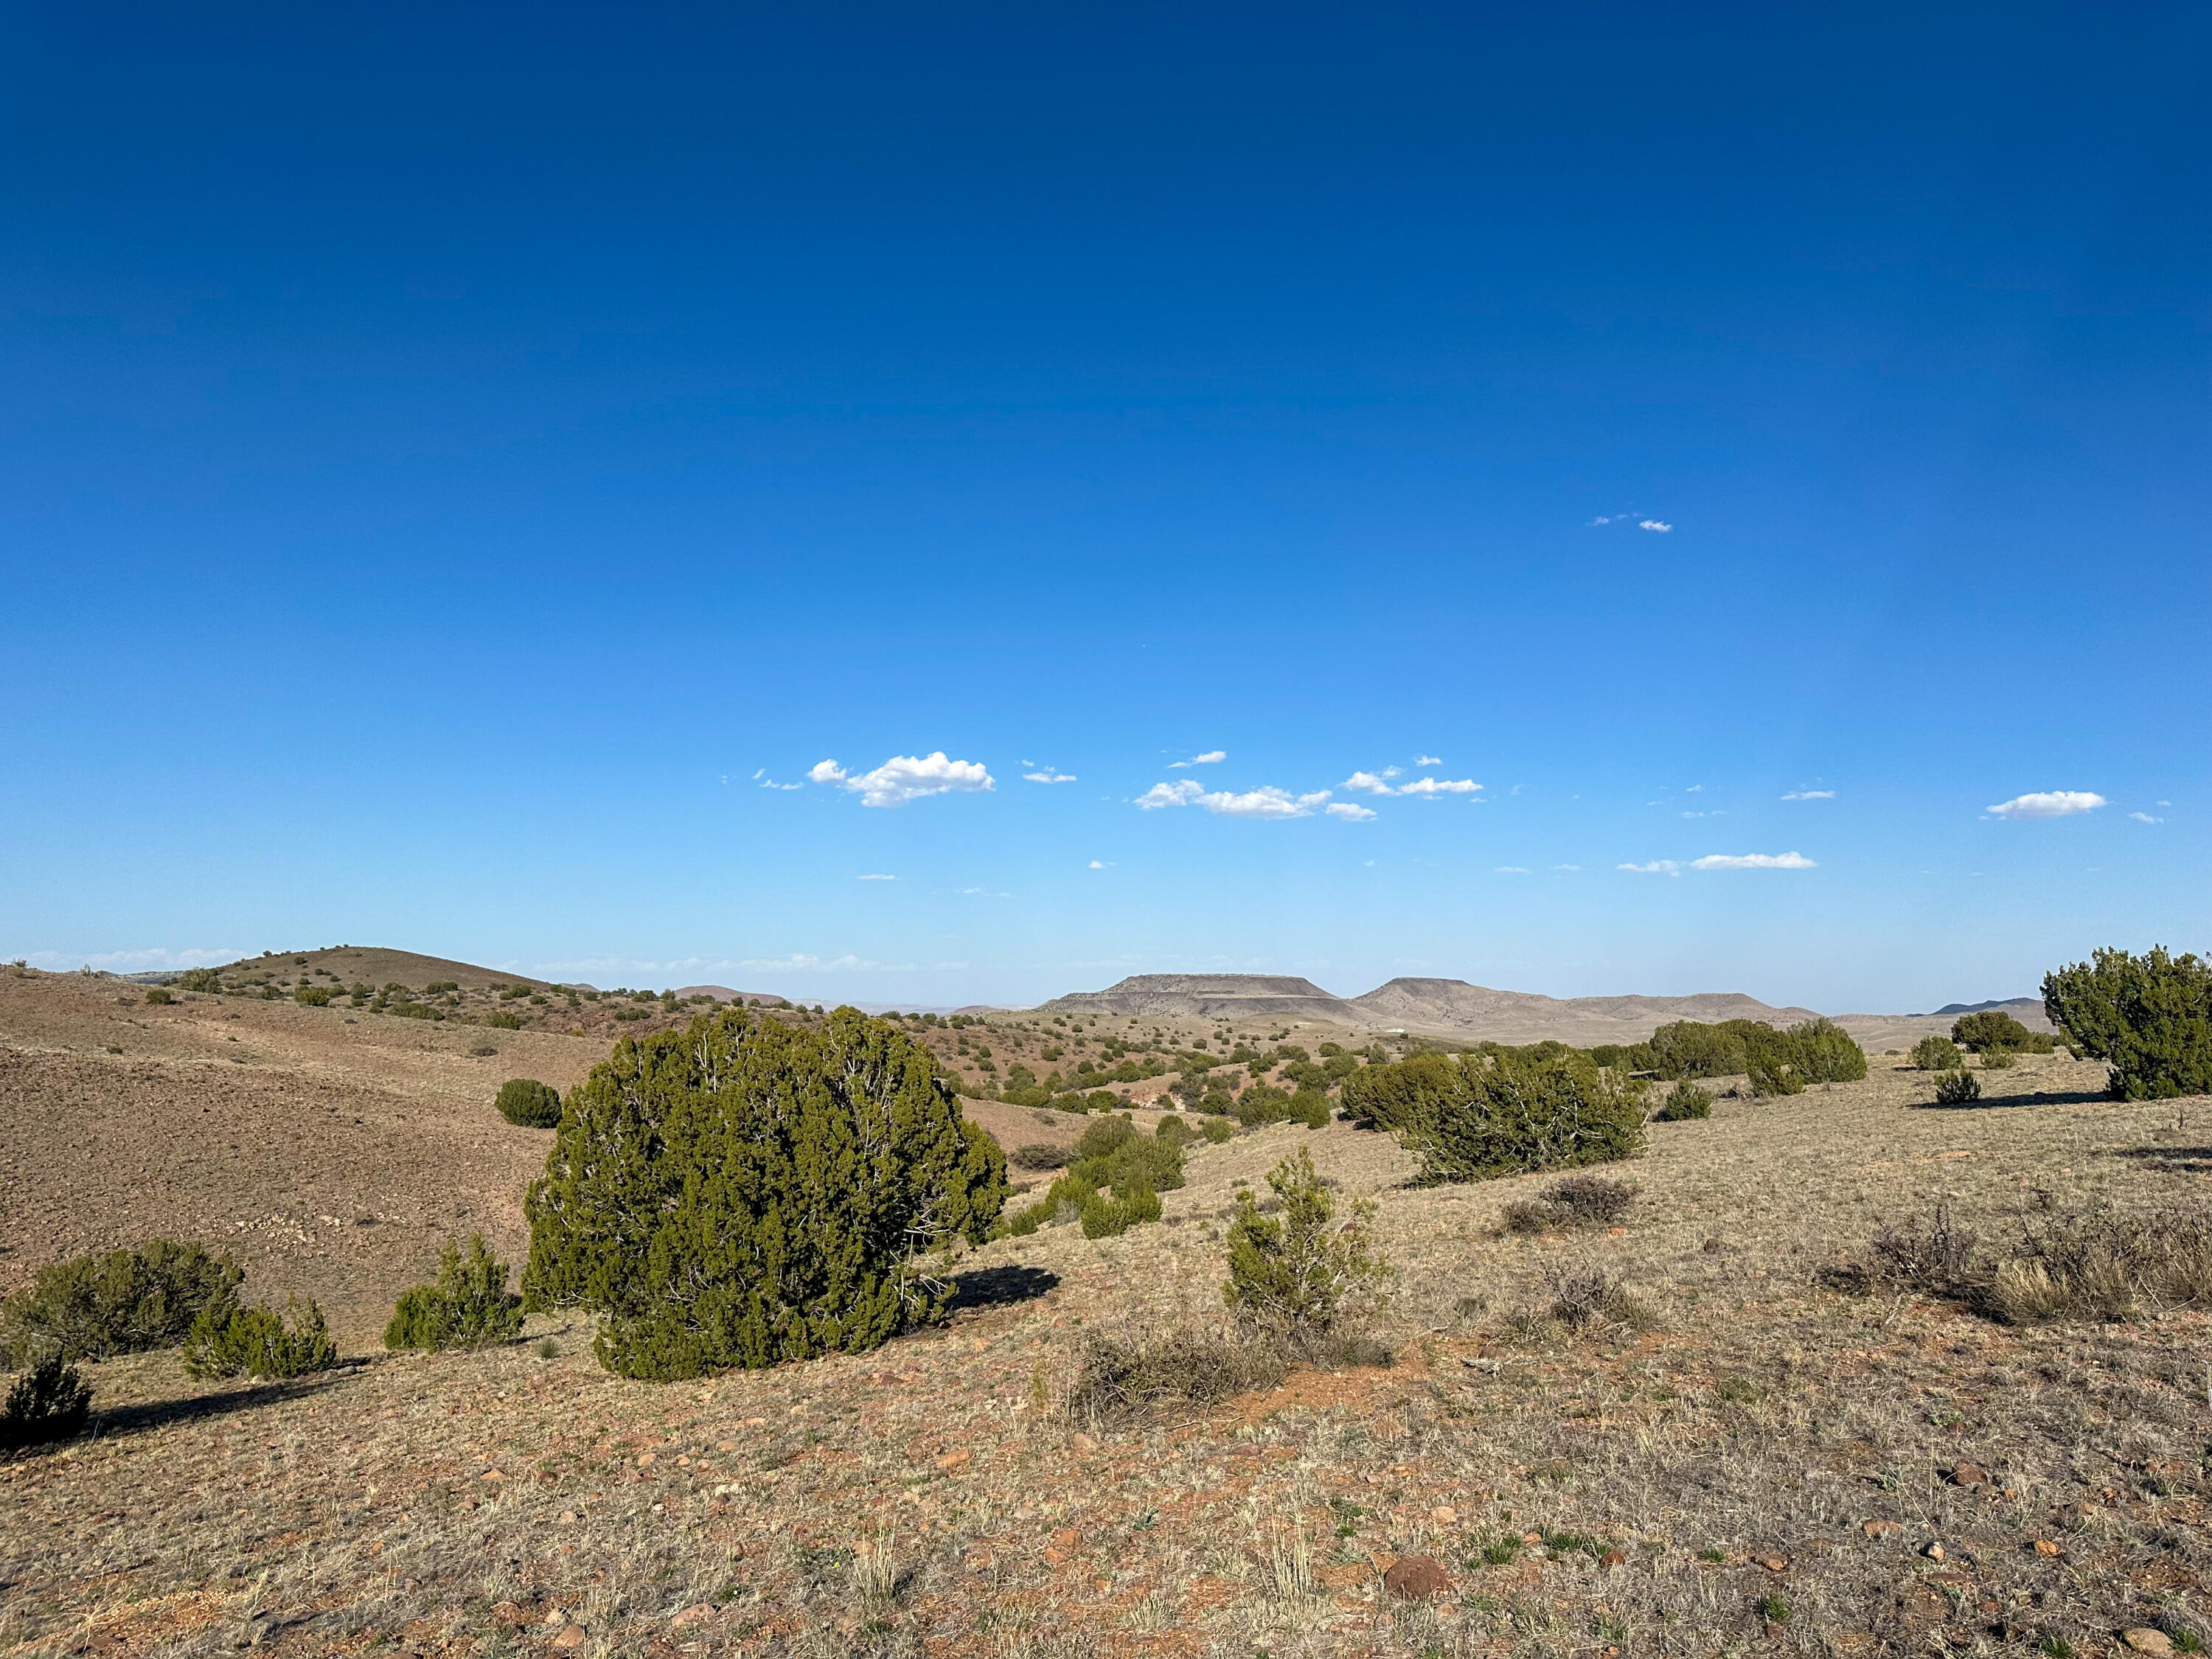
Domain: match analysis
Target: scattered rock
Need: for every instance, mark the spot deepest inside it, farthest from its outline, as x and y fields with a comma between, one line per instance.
x=1444, y=1515
x=1083, y=1443
x=572, y=1637
x=955, y=1458
x=1880, y=1528
x=1066, y=1539
x=555, y=1618
x=1415, y=1578
x=509, y=1614
x=1612, y=1559
x=1969, y=1474
x=2046, y=1546
x=568, y=1517
x=697, y=1614
x=1934, y=1551
x=2143, y=1639
x=1772, y=1563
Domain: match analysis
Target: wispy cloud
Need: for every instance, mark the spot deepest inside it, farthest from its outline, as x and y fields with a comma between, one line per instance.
x=1510, y=870
x=1439, y=787
x=1695, y=789
x=1211, y=757
x=903, y=778
x=874, y=877
x=1657, y=525
x=2145, y=818
x=761, y=778
x=1265, y=802
x=1101, y=864
x=2048, y=803
x=1753, y=862
x=1810, y=794
x=148, y=961
x=1427, y=760
x=1350, y=811
x=1049, y=776
x=1656, y=867
x=1567, y=866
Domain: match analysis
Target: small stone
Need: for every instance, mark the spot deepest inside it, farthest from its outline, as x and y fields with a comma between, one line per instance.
x=568, y=1517
x=493, y=1474
x=1066, y=1539
x=725, y=1445
x=571, y=1638
x=1444, y=1515
x=555, y=1618
x=1612, y=1559
x=1083, y=1443
x=955, y=1458
x=2143, y=1639
x=697, y=1614
x=645, y=1459
x=1772, y=1563
x=1969, y=1474
x=509, y=1614
x=1416, y=1577
x=2046, y=1546
x=1880, y=1528
x=1934, y=1551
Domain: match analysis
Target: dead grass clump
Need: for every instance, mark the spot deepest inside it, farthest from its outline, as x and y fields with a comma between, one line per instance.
x=1137, y=1378
x=2103, y=1265
x=1037, y=1155
x=1578, y=1201
x=1936, y=1256
x=1584, y=1298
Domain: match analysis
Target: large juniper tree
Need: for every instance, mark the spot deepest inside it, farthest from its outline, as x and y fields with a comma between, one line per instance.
x=746, y=1191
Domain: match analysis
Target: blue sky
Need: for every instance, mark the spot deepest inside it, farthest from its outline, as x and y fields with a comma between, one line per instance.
x=450, y=452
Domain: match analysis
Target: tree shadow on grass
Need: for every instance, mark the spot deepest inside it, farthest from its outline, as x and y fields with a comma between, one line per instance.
x=2047, y=1097
x=1001, y=1287
x=143, y=1416
x=2170, y=1160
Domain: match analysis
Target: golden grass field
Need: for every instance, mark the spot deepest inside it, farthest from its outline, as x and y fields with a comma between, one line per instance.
x=1769, y=1466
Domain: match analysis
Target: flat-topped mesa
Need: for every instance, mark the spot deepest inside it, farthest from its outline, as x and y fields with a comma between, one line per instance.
x=1477, y=1013
x=1213, y=996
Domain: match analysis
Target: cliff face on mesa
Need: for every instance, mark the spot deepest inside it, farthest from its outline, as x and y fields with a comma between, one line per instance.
x=1212, y=996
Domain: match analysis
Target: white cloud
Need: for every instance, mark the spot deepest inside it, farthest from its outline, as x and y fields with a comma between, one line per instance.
x=1427, y=760
x=1211, y=757
x=2048, y=803
x=1695, y=789
x=1654, y=524
x=1510, y=870
x=1753, y=861
x=1265, y=802
x=1047, y=776
x=761, y=778
x=1810, y=794
x=2145, y=818
x=903, y=778
x=1350, y=811
x=1567, y=866
x=1371, y=782
x=877, y=879
x=1100, y=864
x=1656, y=867
x=1440, y=786
x=2165, y=803
x=1694, y=815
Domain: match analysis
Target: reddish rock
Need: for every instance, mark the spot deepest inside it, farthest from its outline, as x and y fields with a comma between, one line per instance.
x=1880, y=1528
x=570, y=1637
x=697, y=1614
x=1612, y=1559
x=955, y=1458
x=1415, y=1578
x=2046, y=1546
x=1969, y=1474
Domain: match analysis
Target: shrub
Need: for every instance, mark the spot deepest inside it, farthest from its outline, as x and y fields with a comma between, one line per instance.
x=2150, y=1016
x=2103, y=1265
x=469, y=1307
x=1037, y=1155
x=1480, y=1115
x=1216, y=1130
x=159, y=996
x=1687, y=1048
x=199, y=979
x=1936, y=1256
x=1684, y=1101
x=1123, y=1379
x=1823, y=1052
x=1176, y=1130
x=50, y=1402
x=1936, y=1053
x=1580, y=1200
x=1992, y=1028
x=1584, y=1297
x=94, y=1307
x=228, y=1340
x=1998, y=1059
x=500, y=1020
x=533, y=1104
x=313, y=996
x=744, y=1191
x=1299, y=1270
x=1960, y=1088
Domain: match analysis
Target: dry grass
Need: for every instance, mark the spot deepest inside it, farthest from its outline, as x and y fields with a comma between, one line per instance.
x=1664, y=1490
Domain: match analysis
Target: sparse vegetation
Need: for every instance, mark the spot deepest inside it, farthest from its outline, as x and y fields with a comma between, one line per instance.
x=469, y=1306
x=1129, y=1378
x=746, y=1191
x=1959, y=1088
x=528, y=1102
x=1684, y=1103
x=1578, y=1201
x=2150, y=1016
x=158, y=996
x=93, y=1307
